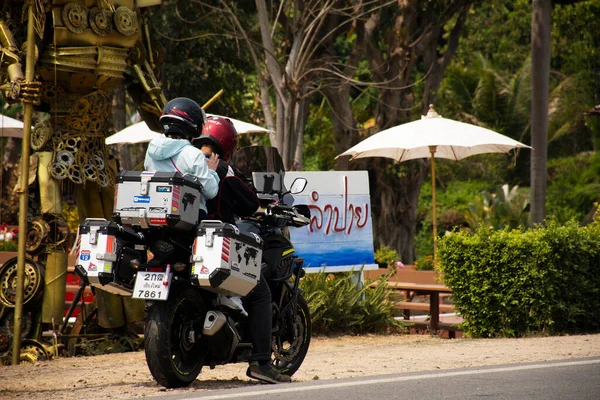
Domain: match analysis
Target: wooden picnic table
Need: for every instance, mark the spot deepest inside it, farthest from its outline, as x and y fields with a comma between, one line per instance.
x=431, y=290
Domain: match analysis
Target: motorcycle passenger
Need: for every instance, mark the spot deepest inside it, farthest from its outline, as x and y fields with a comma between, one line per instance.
x=236, y=198
x=182, y=121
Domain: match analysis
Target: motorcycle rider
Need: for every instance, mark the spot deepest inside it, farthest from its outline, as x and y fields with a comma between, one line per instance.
x=182, y=120
x=236, y=198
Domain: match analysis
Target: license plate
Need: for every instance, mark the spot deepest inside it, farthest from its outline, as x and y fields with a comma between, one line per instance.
x=150, y=286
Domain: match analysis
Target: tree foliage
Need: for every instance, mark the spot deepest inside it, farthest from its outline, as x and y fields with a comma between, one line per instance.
x=339, y=71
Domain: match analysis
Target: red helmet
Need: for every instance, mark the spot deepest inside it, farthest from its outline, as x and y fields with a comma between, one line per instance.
x=220, y=133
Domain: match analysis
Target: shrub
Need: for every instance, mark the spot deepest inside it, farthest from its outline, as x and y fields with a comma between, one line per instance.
x=515, y=282
x=385, y=256
x=339, y=305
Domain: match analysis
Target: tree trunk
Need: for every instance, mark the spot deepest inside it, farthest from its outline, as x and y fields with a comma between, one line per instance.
x=395, y=189
x=540, y=75
x=120, y=120
x=343, y=124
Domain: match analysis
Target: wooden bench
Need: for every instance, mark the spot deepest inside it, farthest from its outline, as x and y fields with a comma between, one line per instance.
x=414, y=283
x=432, y=290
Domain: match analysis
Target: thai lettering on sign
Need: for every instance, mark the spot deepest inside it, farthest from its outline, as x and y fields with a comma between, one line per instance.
x=340, y=234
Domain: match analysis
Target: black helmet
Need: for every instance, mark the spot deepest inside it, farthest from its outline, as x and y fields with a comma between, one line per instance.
x=182, y=117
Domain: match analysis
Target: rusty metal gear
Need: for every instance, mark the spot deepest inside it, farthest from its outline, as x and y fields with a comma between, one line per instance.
x=51, y=93
x=58, y=170
x=100, y=104
x=36, y=235
x=33, y=351
x=76, y=123
x=98, y=162
x=103, y=179
x=100, y=21
x=75, y=17
x=59, y=229
x=95, y=124
x=72, y=144
x=89, y=172
x=65, y=157
x=137, y=54
x=75, y=174
x=33, y=287
x=158, y=54
x=8, y=323
x=41, y=134
x=126, y=21
x=81, y=107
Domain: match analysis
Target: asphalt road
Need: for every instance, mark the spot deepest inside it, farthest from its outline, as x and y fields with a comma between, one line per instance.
x=573, y=379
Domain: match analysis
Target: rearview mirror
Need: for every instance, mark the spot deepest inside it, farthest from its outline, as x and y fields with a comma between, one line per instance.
x=298, y=185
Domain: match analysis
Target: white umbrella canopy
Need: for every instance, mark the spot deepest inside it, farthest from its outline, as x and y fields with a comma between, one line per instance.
x=433, y=136
x=136, y=133
x=10, y=127
x=451, y=139
x=141, y=133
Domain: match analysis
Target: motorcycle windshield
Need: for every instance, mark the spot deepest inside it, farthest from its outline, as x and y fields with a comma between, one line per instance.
x=258, y=159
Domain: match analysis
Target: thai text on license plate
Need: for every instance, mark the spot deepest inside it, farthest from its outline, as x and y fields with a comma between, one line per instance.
x=150, y=286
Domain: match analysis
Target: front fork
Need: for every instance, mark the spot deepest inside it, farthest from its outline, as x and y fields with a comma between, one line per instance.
x=293, y=289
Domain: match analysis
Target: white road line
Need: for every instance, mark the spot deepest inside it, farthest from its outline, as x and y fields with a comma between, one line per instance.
x=395, y=379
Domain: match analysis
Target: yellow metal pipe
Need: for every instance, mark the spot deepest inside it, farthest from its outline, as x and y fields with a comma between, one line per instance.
x=212, y=100
x=24, y=188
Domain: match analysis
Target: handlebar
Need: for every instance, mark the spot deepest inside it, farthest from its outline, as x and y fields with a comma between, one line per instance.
x=285, y=213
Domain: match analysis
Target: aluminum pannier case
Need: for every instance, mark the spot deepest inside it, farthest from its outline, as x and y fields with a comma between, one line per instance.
x=166, y=199
x=102, y=259
x=226, y=260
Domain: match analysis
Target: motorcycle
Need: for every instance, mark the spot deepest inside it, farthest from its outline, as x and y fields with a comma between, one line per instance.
x=190, y=281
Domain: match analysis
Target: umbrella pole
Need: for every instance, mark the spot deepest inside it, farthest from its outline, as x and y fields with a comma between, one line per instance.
x=24, y=191
x=432, y=150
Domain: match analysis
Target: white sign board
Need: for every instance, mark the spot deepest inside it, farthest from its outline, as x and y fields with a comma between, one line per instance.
x=340, y=235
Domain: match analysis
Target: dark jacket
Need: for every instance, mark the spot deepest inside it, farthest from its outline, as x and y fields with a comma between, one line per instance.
x=235, y=196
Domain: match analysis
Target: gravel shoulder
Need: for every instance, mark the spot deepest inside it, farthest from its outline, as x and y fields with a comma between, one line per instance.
x=125, y=375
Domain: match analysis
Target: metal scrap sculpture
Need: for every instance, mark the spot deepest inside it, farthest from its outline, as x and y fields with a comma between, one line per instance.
x=84, y=49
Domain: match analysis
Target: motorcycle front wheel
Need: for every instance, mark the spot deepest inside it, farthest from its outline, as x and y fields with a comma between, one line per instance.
x=292, y=338
x=174, y=353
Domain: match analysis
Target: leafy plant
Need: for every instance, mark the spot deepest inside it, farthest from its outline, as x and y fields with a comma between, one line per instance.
x=8, y=245
x=340, y=305
x=505, y=208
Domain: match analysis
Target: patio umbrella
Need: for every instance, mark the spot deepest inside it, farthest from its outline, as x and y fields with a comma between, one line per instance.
x=433, y=136
x=140, y=133
x=10, y=127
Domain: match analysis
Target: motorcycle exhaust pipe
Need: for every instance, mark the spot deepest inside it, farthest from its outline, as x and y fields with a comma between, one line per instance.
x=213, y=322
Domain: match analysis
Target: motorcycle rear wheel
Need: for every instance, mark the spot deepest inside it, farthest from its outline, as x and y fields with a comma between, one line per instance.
x=174, y=351
x=292, y=339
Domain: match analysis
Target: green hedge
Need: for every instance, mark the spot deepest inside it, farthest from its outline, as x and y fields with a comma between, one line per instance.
x=522, y=282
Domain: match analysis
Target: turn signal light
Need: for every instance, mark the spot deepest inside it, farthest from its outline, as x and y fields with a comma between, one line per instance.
x=179, y=266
